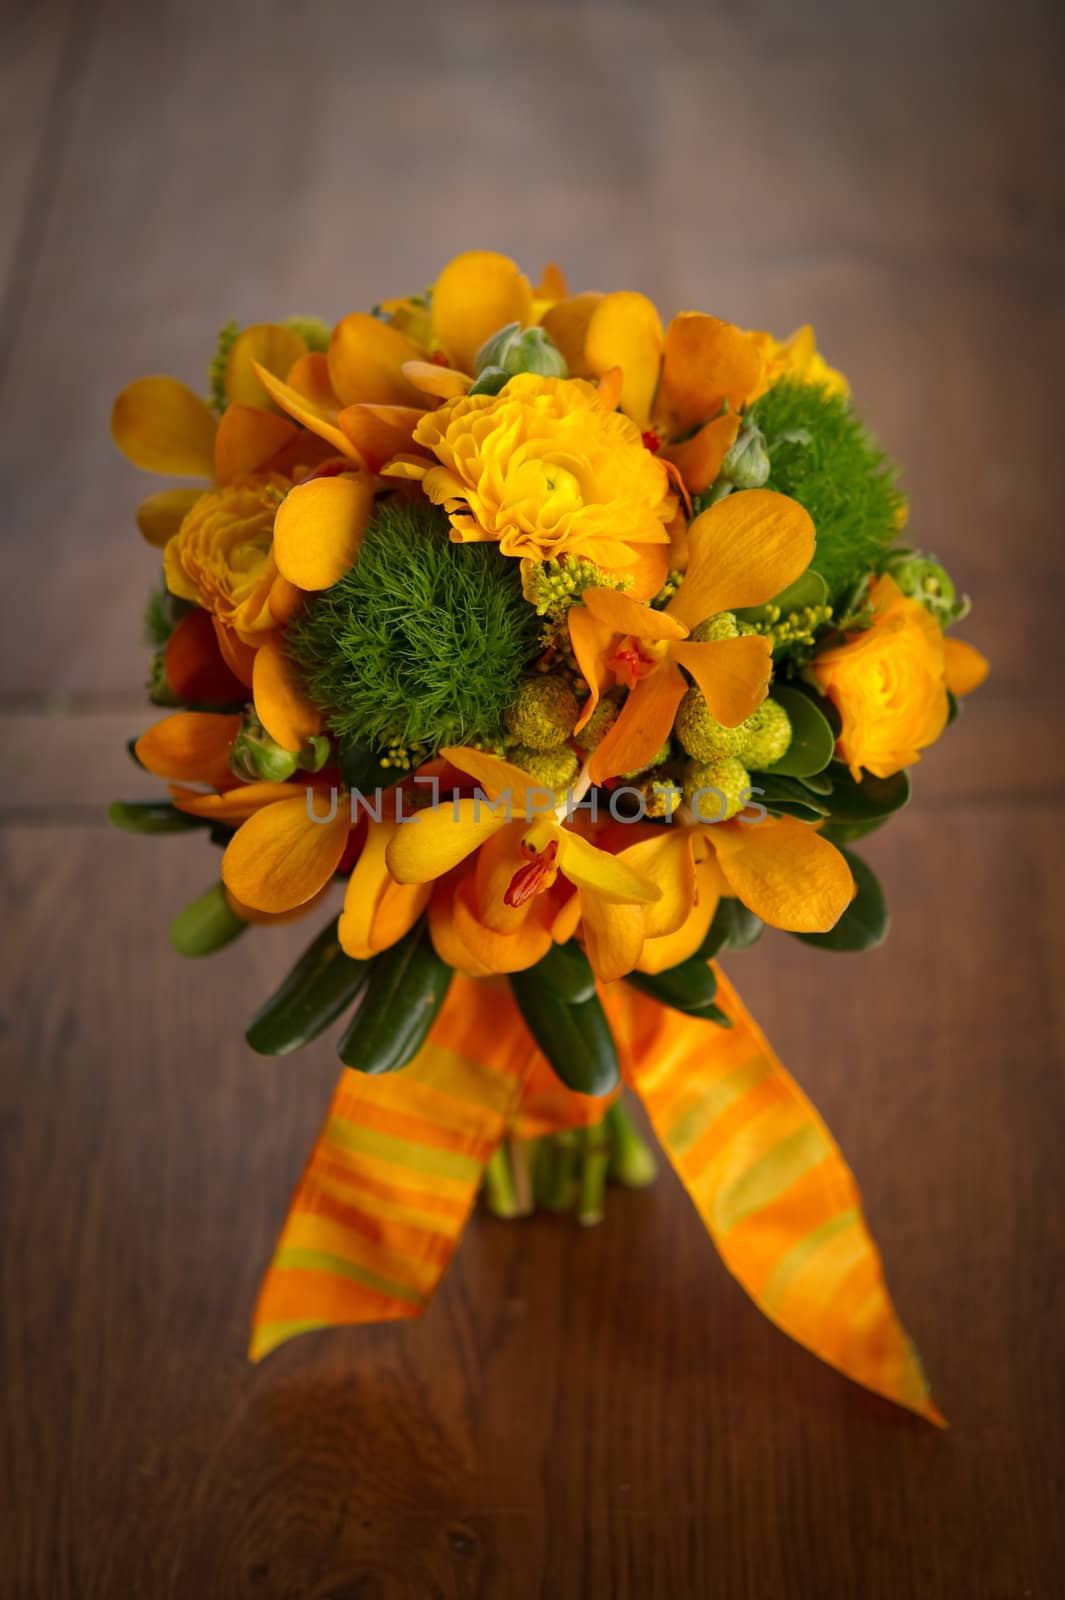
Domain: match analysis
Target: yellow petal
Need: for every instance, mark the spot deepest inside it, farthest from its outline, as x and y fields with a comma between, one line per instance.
x=236, y=805
x=281, y=856
x=380, y=432
x=784, y=872
x=319, y=528
x=190, y=747
x=446, y=383
x=494, y=775
x=280, y=702
x=665, y=859
x=265, y=344
x=247, y=441
x=161, y=515
x=314, y=414
x=613, y=936
x=567, y=325
x=436, y=840
x=377, y=909
x=706, y=362
x=161, y=426
x=366, y=359
x=611, y=877
x=699, y=459
x=733, y=674
x=742, y=552
x=273, y=919
x=625, y=615
x=625, y=331
x=477, y=294
x=659, y=954
x=965, y=667
x=643, y=725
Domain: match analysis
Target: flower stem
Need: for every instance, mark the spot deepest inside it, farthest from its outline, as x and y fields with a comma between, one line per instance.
x=595, y=1159
x=632, y=1162
x=521, y=1177
x=499, y=1192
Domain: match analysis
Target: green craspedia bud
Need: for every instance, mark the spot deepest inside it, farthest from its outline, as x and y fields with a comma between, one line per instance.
x=723, y=626
x=661, y=796
x=718, y=790
x=314, y=332
x=746, y=465
x=543, y=712
x=555, y=769
x=767, y=735
x=599, y=724
x=703, y=737
x=925, y=579
x=513, y=350
x=257, y=758
x=227, y=338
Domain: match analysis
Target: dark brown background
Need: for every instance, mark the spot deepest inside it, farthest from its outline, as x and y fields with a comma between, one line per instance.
x=580, y=1415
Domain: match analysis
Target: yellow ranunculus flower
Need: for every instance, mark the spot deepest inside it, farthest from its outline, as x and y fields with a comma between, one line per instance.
x=222, y=556
x=545, y=468
x=799, y=359
x=887, y=684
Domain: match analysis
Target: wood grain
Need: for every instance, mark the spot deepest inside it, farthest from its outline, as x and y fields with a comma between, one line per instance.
x=581, y=1414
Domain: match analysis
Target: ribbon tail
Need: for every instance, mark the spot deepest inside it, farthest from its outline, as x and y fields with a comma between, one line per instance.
x=393, y=1177
x=773, y=1189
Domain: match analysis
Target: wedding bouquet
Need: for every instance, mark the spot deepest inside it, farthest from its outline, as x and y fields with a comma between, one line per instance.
x=575, y=650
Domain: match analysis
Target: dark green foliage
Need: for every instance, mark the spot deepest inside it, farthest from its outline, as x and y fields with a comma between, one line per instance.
x=822, y=454
x=422, y=642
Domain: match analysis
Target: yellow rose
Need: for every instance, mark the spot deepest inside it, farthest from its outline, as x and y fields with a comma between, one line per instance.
x=887, y=684
x=545, y=468
x=222, y=556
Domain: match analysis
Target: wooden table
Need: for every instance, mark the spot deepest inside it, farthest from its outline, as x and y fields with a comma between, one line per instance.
x=595, y=1414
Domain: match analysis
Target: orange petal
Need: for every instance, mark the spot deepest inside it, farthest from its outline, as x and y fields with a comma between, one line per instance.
x=281, y=856
x=513, y=949
x=161, y=426
x=380, y=432
x=236, y=805
x=314, y=414
x=698, y=460
x=494, y=775
x=625, y=331
x=377, y=909
x=247, y=441
x=567, y=325
x=273, y=919
x=666, y=859
x=733, y=674
x=280, y=702
x=195, y=668
x=238, y=656
x=784, y=872
x=742, y=552
x=191, y=747
x=593, y=642
x=267, y=345
x=366, y=359
x=440, y=837
x=283, y=601
x=706, y=362
x=623, y=614
x=965, y=667
x=670, y=949
x=445, y=383
x=643, y=725
x=613, y=936
x=552, y=285
x=319, y=528
x=477, y=294
x=161, y=515
x=647, y=573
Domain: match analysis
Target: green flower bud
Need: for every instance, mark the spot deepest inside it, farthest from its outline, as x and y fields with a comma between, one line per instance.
x=491, y=380
x=159, y=691
x=554, y=769
x=315, y=333
x=543, y=712
x=315, y=753
x=927, y=580
x=599, y=724
x=516, y=350
x=767, y=735
x=723, y=626
x=718, y=790
x=257, y=758
x=746, y=465
x=703, y=737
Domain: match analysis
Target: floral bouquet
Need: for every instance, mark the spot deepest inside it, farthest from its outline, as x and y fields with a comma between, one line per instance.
x=574, y=650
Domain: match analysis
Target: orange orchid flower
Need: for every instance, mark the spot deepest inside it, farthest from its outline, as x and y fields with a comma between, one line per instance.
x=741, y=552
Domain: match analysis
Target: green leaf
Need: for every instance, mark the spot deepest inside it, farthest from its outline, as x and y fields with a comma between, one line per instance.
x=817, y=783
x=689, y=987
x=567, y=972
x=407, y=987
x=576, y=1039
x=322, y=984
x=813, y=743
x=789, y=796
x=848, y=832
x=867, y=801
x=954, y=708
x=152, y=816
x=808, y=590
x=865, y=922
x=733, y=927
x=207, y=925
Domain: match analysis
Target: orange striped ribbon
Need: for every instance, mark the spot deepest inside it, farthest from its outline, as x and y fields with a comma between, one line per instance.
x=772, y=1188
